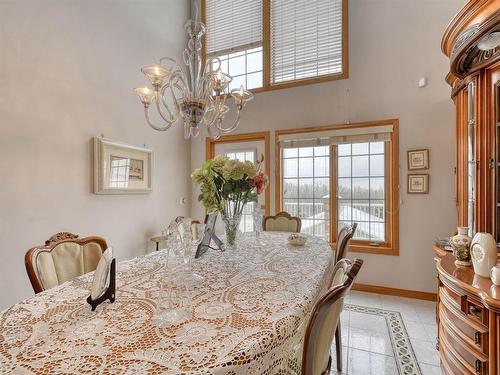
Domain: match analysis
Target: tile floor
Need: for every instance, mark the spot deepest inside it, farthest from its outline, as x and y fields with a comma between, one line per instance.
x=367, y=346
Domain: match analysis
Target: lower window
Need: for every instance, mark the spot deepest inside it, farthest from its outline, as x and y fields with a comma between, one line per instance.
x=345, y=179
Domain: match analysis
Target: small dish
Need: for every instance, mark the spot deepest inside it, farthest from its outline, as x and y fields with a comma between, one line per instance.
x=296, y=240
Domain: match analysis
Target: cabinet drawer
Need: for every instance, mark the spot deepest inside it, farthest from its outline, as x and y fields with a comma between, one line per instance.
x=476, y=311
x=471, y=332
x=453, y=297
x=462, y=302
x=450, y=365
x=455, y=348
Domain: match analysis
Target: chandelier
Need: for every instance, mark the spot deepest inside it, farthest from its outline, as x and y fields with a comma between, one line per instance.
x=196, y=96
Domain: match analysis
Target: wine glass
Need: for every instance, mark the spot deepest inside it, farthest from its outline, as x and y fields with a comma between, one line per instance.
x=173, y=302
x=192, y=237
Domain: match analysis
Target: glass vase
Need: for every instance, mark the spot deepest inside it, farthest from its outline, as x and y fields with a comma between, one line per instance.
x=258, y=218
x=231, y=226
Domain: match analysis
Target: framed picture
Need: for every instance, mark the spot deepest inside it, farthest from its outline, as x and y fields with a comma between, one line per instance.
x=209, y=235
x=121, y=168
x=418, y=183
x=418, y=159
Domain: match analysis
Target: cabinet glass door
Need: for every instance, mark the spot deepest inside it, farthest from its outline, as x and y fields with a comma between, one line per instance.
x=496, y=177
x=471, y=161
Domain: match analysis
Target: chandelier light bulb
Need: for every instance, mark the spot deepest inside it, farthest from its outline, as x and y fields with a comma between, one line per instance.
x=241, y=96
x=156, y=74
x=145, y=94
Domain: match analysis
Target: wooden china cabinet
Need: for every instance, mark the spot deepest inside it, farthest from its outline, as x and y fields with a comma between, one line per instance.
x=468, y=308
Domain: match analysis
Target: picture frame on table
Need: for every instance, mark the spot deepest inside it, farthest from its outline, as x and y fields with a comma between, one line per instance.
x=418, y=159
x=119, y=168
x=418, y=183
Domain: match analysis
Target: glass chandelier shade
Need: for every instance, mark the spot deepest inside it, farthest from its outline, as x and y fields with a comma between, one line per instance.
x=196, y=95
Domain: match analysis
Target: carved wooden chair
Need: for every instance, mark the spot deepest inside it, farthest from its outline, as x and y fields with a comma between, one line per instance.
x=63, y=257
x=282, y=222
x=343, y=239
x=342, y=246
x=324, y=319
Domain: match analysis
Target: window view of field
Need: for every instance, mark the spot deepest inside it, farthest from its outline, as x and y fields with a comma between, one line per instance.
x=360, y=182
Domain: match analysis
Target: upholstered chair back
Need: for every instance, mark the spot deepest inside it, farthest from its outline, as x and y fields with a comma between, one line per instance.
x=61, y=259
x=282, y=222
x=325, y=317
x=343, y=240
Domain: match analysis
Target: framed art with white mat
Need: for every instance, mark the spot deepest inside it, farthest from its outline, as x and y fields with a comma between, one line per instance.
x=120, y=168
x=418, y=183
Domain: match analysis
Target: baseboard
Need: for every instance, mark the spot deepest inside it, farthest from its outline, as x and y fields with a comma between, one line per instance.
x=395, y=292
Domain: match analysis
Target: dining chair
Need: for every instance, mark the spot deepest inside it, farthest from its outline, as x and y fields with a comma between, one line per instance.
x=343, y=239
x=342, y=246
x=316, y=358
x=63, y=257
x=282, y=222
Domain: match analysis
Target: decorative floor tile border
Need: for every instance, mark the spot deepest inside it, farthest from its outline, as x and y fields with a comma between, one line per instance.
x=404, y=355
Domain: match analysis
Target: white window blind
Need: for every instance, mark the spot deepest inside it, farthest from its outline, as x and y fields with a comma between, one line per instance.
x=306, y=39
x=337, y=136
x=233, y=25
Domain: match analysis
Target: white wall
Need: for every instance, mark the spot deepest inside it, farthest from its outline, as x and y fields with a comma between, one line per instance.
x=67, y=69
x=392, y=43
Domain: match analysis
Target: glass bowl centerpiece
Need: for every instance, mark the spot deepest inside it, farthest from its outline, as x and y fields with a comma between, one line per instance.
x=227, y=185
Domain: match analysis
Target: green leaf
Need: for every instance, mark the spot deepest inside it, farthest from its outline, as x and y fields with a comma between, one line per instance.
x=208, y=164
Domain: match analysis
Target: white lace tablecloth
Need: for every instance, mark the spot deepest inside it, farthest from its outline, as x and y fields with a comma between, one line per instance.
x=247, y=317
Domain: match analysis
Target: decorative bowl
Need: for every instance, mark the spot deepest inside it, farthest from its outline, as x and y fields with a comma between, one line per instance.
x=296, y=240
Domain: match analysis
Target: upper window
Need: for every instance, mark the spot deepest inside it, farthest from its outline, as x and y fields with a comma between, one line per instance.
x=335, y=176
x=268, y=44
x=234, y=35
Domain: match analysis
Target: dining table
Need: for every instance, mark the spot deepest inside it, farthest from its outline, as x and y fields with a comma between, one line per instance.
x=247, y=315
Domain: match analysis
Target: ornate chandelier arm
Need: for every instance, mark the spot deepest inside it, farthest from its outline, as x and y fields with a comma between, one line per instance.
x=150, y=123
x=165, y=105
x=176, y=72
x=160, y=100
x=241, y=97
x=216, y=109
x=218, y=124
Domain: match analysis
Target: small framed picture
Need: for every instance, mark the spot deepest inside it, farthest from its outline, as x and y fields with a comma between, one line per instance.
x=418, y=183
x=418, y=159
x=121, y=168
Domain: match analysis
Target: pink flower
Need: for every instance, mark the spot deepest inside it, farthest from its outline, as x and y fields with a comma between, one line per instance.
x=259, y=182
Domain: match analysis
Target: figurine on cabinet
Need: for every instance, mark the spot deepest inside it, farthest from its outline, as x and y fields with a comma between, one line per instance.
x=461, y=247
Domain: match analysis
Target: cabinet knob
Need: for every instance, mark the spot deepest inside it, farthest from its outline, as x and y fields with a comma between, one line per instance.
x=474, y=310
x=477, y=338
x=479, y=367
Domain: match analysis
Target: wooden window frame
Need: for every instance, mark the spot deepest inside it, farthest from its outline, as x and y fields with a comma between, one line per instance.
x=245, y=137
x=266, y=52
x=391, y=245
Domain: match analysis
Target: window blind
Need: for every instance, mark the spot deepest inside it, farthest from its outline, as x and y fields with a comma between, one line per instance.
x=338, y=136
x=306, y=39
x=232, y=25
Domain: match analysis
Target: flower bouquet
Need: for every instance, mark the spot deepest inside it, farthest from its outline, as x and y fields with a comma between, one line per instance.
x=227, y=185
